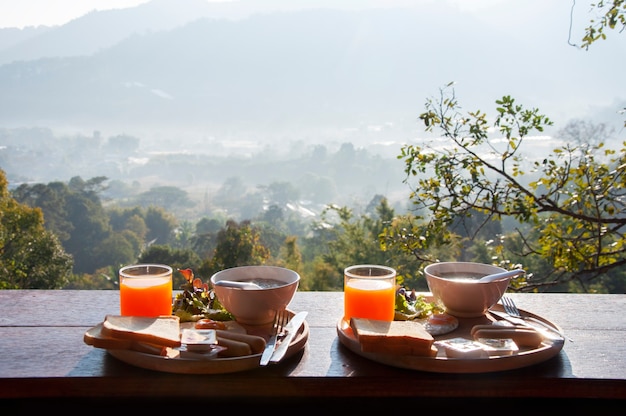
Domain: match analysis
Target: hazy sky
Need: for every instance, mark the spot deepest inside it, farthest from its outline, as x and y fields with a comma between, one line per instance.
x=22, y=13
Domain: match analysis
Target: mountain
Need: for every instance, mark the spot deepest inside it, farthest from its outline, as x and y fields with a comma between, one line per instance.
x=98, y=30
x=271, y=71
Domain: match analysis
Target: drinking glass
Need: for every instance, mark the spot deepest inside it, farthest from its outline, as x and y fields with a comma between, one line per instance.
x=369, y=292
x=146, y=290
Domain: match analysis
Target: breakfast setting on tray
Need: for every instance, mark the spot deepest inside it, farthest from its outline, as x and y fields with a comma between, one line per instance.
x=459, y=327
x=226, y=325
x=240, y=320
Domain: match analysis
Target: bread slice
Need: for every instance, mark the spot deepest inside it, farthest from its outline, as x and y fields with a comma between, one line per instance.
x=162, y=330
x=96, y=338
x=395, y=337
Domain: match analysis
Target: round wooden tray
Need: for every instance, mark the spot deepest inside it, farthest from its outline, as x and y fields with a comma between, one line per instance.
x=443, y=364
x=209, y=366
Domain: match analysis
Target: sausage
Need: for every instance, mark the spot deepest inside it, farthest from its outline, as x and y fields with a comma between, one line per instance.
x=256, y=343
x=148, y=348
x=209, y=324
x=492, y=326
x=233, y=348
x=523, y=337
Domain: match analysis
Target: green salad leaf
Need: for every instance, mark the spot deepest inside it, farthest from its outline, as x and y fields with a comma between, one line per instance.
x=197, y=301
x=410, y=305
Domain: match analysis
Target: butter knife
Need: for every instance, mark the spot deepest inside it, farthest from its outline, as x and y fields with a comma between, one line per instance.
x=537, y=323
x=291, y=330
x=269, y=350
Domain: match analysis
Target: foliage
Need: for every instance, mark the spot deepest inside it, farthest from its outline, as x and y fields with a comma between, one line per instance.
x=96, y=237
x=320, y=276
x=161, y=225
x=355, y=240
x=564, y=213
x=166, y=197
x=175, y=258
x=30, y=256
x=197, y=301
x=571, y=215
x=106, y=278
x=73, y=212
x=291, y=254
x=614, y=17
x=238, y=244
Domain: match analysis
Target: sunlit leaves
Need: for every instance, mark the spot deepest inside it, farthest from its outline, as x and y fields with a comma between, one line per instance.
x=614, y=17
x=571, y=211
x=30, y=256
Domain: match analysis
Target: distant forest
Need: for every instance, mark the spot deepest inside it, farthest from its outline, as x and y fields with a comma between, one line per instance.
x=238, y=185
x=315, y=213
x=95, y=191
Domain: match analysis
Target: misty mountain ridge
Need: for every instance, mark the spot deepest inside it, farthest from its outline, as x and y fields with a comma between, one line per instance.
x=191, y=72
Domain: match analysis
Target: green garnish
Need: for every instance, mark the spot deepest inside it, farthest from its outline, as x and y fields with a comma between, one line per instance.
x=197, y=301
x=410, y=305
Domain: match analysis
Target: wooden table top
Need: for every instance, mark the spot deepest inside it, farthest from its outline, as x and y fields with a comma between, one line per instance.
x=43, y=357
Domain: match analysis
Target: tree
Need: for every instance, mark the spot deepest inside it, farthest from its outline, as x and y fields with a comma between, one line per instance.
x=175, y=258
x=584, y=132
x=161, y=225
x=238, y=244
x=51, y=200
x=90, y=224
x=355, y=240
x=167, y=197
x=614, y=17
x=122, y=144
x=282, y=193
x=117, y=249
x=75, y=214
x=31, y=257
x=291, y=254
x=571, y=213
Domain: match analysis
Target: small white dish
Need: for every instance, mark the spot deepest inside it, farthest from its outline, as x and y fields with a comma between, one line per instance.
x=198, y=340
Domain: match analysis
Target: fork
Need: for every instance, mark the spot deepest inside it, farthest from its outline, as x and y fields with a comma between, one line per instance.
x=511, y=309
x=278, y=331
x=282, y=317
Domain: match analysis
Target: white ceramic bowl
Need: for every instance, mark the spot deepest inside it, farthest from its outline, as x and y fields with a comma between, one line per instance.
x=256, y=306
x=454, y=285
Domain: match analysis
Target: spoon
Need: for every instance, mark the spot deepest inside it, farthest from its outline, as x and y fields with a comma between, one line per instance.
x=237, y=284
x=501, y=275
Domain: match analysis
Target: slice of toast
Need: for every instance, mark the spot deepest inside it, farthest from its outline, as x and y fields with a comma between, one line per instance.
x=395, y=337
x=162, y=330
x=95, y=337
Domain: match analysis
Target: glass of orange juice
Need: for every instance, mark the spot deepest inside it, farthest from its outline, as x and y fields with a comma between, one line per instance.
x=146, y=290
x=369, y=292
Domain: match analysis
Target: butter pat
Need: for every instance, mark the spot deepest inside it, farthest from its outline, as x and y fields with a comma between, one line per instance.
x=209, y=354
x=198, y=340
x=462, y=348
x=499, y=346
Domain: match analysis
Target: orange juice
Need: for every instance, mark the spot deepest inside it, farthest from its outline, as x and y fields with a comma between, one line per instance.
x=146, y=292
x=370, y=296
x=373, y=299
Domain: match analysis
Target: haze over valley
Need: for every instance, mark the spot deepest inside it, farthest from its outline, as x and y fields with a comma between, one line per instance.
x=192, y=94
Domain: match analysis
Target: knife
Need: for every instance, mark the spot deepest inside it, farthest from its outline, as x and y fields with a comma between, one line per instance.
x=269, y=349
x=520, y=321
x=291, y=329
